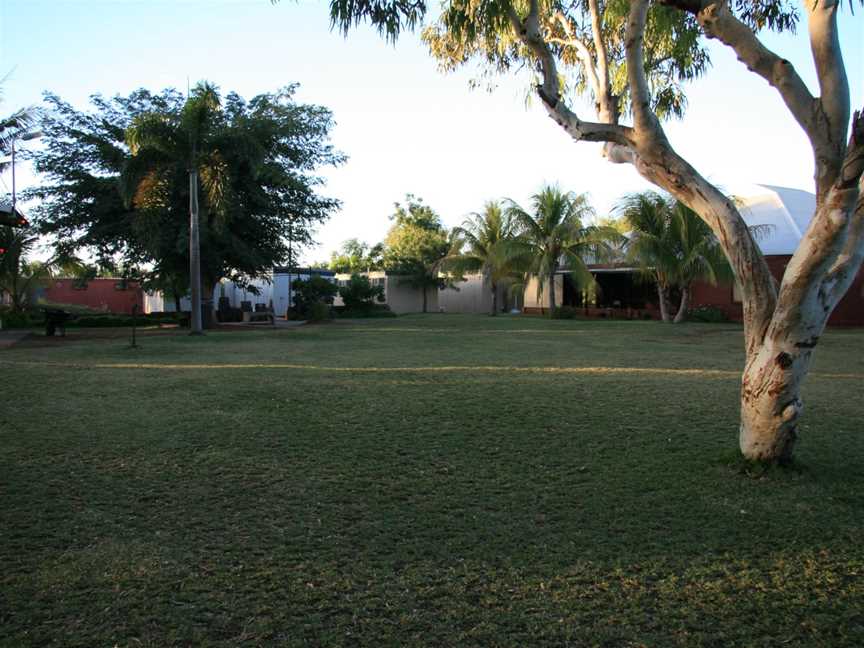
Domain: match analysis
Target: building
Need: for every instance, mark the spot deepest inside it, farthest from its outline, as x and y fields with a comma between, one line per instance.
x=110, y=295
x=274, y=290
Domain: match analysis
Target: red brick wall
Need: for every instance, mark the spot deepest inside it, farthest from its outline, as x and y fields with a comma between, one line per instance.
x=849, y=312
x=100, y=294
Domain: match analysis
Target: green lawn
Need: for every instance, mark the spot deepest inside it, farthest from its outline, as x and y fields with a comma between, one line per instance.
x=425, y=481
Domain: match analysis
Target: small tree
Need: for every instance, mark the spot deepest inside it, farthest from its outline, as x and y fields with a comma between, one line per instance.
x=311, y=294
x=415, y=246
x=359, y=294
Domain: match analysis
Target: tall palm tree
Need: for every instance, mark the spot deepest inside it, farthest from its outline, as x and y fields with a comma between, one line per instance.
x=555, y=233
x=673, y=246
x=487, y=243
x=175, y=153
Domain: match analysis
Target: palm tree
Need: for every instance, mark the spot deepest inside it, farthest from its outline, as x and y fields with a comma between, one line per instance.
x=673, y=246
x=169, y=154
x=555, y=232
x=487, y=243
x=18, y=277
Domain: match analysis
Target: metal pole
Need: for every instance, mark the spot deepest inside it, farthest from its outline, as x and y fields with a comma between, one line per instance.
x=14, y=217
x=194, y=255
x=290, y=263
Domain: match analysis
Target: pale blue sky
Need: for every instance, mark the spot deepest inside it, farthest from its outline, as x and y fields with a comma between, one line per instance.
x=404, y=126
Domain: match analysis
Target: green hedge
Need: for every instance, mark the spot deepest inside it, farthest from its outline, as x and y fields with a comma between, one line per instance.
x=710, y=314
x=370, y=310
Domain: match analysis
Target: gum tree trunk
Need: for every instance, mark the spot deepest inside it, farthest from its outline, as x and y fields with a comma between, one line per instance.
x=770, y=401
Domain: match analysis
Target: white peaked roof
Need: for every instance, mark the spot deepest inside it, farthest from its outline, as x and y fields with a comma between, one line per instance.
x=785, y=214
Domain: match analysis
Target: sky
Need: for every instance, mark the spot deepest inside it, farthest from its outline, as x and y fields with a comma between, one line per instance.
x=405, y=126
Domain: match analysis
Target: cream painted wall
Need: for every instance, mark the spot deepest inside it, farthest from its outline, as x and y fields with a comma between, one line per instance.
x=531, y=300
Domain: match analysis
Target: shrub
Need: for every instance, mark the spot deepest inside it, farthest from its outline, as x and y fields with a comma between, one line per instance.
x=564, y=312
x=710, y=314
x=319, y=311
x=21, y=319
x=372, y=310
x=307, y=293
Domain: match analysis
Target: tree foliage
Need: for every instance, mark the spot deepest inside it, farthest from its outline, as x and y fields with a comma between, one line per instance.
x=359, y=294
x=117, y=179
x=488, y=243
x=555, y=232
x=20, y=276
x=672, y=245
x=312, y=293
x=357, y=256
x=416, y=244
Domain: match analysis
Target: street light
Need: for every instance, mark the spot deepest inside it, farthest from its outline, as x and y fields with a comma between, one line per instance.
x=14, y=219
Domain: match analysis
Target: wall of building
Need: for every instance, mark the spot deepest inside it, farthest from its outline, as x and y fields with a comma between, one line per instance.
x=474, y=296
x=104, y=294
x=532, y=303
x=849, y=312
x=273, y=288
x=402, y=298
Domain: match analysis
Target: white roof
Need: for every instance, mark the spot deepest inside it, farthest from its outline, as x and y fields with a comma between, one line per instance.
x=784, y=212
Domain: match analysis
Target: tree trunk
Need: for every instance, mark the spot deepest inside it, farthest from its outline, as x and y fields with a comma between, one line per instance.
x=771, y=403
x=195, y=326
x=663, y=298
x=424, y=298
x=685, y=304
x=552, y=293
x=177, y=305
x=494, y=299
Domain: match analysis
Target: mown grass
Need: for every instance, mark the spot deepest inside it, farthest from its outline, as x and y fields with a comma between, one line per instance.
x=426, y=481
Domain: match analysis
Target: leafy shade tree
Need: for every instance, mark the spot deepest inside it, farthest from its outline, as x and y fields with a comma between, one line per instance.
x=18, y=276
x=487, y=243
x=630, y=59
x=356, y=256
x=673, y=246
x=415, y=246
x=118, y=181
x=554, y=232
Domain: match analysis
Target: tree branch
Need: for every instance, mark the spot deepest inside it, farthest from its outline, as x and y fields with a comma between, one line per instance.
x=645, y=121
x=608, y=102
x=582, y=51
x=834, y=101
x=848, y=262
x=824, y=262
x=528, y=31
